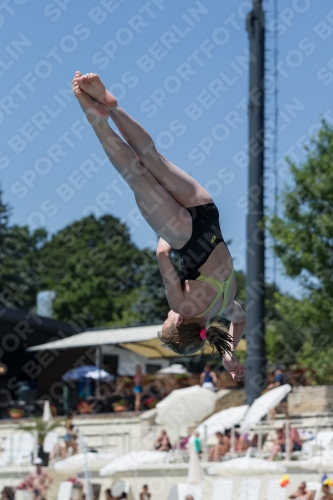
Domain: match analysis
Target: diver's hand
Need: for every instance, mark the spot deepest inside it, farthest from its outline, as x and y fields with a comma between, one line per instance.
x=234, y=367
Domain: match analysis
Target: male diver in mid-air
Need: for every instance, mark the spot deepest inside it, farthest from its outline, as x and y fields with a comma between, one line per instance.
x=186, y=219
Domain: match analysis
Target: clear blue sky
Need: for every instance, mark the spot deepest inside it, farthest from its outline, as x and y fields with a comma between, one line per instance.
x=180, y=68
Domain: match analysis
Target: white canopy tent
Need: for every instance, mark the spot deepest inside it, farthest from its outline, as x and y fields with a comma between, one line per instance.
x=103, y=337
x=141, y=340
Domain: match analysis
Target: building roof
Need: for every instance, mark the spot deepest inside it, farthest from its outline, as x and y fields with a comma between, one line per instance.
x=101, y=337
x=50, y=325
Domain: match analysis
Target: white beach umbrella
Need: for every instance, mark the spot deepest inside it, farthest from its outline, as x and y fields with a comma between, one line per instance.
x=47, y=415
x=132, y=461
x=185, y=406
x=176, y=369
x=321, y=463
x=245, y=465
x=76, y=463
x=99, y=374
x=261, y=406
x=195, y=472
x=149, y=414
x=222, y=420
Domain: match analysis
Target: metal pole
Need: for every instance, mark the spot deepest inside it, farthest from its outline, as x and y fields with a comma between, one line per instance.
x=86, y=473
x=288, y=440
x=255, y=379
x=259, y=439
x=232, y=450
x=129, y=441
x=205, y=447
x=98, y=364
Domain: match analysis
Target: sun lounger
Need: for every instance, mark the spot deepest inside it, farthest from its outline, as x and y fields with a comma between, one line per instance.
x=275, y=491
x=18, y=449
x=315, y=487
x=222, y=488
x=250, y=489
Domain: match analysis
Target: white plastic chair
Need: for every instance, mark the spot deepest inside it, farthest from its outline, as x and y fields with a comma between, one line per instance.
x=51, y=439
x=18, y=449
x=24, y=445
x=250, y=489
x=184, y=489
x=23, y=495
x=322, y=441
x=120, y=487
x=275, y=491
x=314, y=486
x=65, y=490
x=222, y=488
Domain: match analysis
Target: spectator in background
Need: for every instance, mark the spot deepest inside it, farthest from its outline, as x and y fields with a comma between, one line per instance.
x=302, y=493
x=158, y=440
x=279, y=444
x=145, y=494
x=295, y=442
x=108, y=495
x=37, y=482
x=138, y=387
x=7, y=494
x=70, y=439
x=221, y=448
x=208, y=378
x=162, y=443
x=165, y=444
x=189, y=497
x=279, y=379
x=326, y=492
x=242, y=442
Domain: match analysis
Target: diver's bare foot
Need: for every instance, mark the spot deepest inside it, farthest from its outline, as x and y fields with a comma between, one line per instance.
x=93, y=86
x=94, y=111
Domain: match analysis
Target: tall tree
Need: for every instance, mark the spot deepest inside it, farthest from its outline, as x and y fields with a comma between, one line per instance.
x=303, y=236
x=94, y=266
x=20, y=274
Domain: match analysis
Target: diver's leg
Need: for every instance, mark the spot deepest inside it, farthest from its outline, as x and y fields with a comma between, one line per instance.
x=162, y=212
x=184, y=189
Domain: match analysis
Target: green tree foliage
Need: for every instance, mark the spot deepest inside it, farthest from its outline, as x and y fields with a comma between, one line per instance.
x=95, y=269
x=151, y=305
x=20, y=274
x=303, y=234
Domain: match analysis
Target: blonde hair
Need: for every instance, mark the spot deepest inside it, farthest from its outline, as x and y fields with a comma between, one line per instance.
x=185, y=339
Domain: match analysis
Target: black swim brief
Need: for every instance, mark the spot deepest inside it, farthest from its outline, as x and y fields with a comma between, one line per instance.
x=206, y=235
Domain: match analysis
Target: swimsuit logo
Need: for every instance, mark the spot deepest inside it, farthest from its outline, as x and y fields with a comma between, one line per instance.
x=213, y=239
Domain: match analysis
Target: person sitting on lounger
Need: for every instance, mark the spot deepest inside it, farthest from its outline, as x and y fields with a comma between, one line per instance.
x=221, y=448
x=302, y=493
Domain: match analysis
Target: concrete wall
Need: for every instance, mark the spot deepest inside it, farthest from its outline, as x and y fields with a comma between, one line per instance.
x=302, y=400
x=311, y=399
